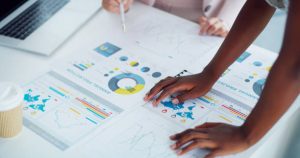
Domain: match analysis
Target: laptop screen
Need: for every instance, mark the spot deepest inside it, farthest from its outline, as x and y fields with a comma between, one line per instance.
x=8, y=6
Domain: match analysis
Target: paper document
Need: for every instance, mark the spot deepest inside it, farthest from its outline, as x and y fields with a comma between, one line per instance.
x=93, y=99
x=103, y=88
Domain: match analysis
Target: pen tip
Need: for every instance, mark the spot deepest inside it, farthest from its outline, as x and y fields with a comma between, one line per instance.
x=124, y=28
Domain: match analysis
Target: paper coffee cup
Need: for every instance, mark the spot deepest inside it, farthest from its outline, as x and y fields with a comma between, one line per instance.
x=11, y=118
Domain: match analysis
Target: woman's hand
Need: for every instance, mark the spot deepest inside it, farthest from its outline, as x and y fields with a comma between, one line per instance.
x=114, y=5
x=220, y=139
x=212, y=26
x=188, y=87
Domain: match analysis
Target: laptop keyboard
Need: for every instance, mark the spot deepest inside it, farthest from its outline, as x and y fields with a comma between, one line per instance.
x=32, y=18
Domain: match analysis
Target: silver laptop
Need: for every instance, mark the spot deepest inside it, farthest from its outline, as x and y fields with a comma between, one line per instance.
x=41, y=26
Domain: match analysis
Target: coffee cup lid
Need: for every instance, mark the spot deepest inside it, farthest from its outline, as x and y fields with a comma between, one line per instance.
x=11, y=95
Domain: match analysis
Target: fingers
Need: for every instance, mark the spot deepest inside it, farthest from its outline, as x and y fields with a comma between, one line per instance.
x=207, y=25
x=202, y=20
x=212, y=26
x=114, y=5
x=207, y=125
x=194, y=135
x=168, y=91
x=111, y=5
x=180, y=135
x=204, y=26
x=217, y=26
x=159, y=87
x=222, y=32
x=196, y=144
x=192, y=94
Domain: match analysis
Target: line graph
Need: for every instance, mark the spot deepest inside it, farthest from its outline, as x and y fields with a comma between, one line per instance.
x=173, y=37
x=143, y=142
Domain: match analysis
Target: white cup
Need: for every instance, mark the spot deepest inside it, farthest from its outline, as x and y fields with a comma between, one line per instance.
x=11, y=118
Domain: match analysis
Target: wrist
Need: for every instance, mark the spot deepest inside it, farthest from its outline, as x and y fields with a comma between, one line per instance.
x=249, y=139
x=212, y=73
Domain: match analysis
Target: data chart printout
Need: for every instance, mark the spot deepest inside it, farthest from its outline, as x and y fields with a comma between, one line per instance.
x=146, y=134
x=119, y=75
x=170, y=36
x=244, y=80
x=62, y=112
x=97, y=94
x=140, y=134
x=231, y=99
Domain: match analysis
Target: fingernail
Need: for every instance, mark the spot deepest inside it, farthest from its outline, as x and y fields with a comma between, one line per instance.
x=179, y=152
x=173, y=146
x=175, y=101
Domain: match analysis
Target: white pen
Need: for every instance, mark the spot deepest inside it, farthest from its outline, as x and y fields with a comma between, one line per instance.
x=122, y=13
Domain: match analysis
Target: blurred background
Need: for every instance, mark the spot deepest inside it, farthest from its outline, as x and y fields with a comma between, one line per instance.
x=271, y=37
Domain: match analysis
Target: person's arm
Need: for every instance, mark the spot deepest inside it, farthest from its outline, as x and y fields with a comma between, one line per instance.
x=281, y=89
x=250, y=22
x=283, y=84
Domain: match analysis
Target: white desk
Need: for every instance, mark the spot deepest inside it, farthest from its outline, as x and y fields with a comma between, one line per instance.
x=21, y=67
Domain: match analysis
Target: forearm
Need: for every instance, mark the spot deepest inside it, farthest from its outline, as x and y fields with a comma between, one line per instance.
x=283, y=84
x=250, y=22
x=280, y=91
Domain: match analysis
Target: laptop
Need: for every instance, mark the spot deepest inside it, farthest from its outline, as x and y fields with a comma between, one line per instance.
x=41, y=26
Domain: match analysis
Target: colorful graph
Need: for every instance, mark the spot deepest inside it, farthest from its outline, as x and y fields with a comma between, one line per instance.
x=216, y=117
x=209, y=100
x=83, y=66
x=94, y=109
x=235, y=112
x=186, y=114
x=221, y=103
x=36, y=102
x=62, y=112
x=107, y=49
x=258, y=86
x=126, y=84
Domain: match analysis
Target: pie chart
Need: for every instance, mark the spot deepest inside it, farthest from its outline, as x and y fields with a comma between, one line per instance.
x=258, y=86
x=126, y=84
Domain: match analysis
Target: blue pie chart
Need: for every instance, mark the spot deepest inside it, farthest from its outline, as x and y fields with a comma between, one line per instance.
x=258, y=86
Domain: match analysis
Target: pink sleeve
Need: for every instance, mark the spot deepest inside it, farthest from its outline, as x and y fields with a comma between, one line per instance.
x=149, y=2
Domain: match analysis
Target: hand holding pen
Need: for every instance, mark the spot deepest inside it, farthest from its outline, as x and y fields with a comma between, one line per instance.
x=114, y=5
x=118, y=7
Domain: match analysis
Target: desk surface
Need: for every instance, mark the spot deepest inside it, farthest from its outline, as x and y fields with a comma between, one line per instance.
x=19, y=67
